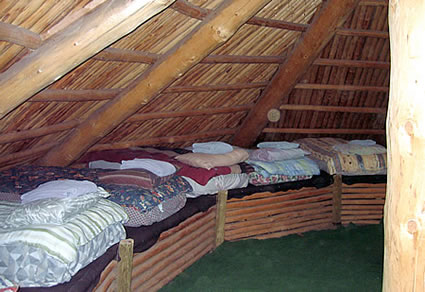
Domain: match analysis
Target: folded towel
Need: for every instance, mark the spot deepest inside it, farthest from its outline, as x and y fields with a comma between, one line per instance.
x=362, y=142
x=214, y=147
x=66, y=188
x=278, y=144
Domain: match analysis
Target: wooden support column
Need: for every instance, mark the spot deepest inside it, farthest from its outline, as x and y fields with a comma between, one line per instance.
x=215, y=30
x=323, y=27
x=125, y=265
x=72, y=46
x=220, y=217
x=336, y=199
x=404, y=213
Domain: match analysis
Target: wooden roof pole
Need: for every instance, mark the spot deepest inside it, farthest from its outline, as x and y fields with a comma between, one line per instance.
x=73, y=45
x=404, y=216
x=216, y=29
x=332, y=15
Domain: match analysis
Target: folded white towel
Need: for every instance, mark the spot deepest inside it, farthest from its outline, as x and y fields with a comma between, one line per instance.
x=65, y=188
x=214, y=147
x=278, y=144
x=158, y=167
x=104, y=164
x=362, y=142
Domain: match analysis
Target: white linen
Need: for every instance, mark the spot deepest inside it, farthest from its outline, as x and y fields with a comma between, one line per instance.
x=214, y=147
x=104, y=164
x=217, y=183
x=278, y=144
x=65, y=188
x=158, y=167
x=362, y=142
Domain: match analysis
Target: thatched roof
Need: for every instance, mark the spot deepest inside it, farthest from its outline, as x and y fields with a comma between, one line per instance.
x=77, y=76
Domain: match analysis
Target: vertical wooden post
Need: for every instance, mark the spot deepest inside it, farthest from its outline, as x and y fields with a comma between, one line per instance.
x=404, y=217
x=220, y=217
x=336, y=199
x=125, y=265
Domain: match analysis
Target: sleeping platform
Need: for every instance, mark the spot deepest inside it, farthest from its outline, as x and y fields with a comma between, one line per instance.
x=170, y=220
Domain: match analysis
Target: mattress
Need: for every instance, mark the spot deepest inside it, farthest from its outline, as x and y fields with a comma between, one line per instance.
x=334, y=162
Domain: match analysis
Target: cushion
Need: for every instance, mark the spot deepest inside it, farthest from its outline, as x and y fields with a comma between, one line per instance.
x=210, y=161
x=136, y=177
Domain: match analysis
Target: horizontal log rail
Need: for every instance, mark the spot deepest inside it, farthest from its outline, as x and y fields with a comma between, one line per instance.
x=20, y=36
x=68, y=95
x=191, y=113
x=324, y=131
x=341, y=87
x=34, y=133
x=8, y=158
x=218, y=87
x=124, y=55
x=184, y=7
x=362, y=33
x=347, y=109
x=149, y=141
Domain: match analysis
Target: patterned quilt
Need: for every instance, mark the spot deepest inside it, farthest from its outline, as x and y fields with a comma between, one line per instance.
x=334, y=162
x=25, y=178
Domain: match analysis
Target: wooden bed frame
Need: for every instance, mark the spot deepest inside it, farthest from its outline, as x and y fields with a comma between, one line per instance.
x=260, y=215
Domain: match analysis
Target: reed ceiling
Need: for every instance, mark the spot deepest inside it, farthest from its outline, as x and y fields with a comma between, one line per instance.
x=342, y=92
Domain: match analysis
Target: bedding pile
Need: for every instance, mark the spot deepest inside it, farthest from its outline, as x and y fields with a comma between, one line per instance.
x=279, y=162
x=51, y=232
x=339, y=156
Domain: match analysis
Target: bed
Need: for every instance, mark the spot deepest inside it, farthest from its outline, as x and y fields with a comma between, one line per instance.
x=214, y=209
x=359, y=168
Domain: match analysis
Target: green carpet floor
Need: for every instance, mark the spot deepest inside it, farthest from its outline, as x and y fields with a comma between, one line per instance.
x=346, y=259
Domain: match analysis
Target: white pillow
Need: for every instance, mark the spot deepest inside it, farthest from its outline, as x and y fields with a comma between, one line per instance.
x=53, y=210
x=63, y=188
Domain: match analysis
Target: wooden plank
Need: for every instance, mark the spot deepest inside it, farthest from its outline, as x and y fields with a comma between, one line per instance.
x=332, y=14
x=215, y=30
x=73, y=45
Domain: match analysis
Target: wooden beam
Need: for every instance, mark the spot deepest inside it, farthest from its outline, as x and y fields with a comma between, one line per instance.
x=362, y=33
x=327, y=108
x=332, y=14
x=197, y=12
x=324, y=131
x=20, y=36
x=217, y=87
x=34, y=133
x=404, y=214
x=341, y=87
x=149, y=141
x=215, y=30
x=72, y=46
x=352, y=63
x=68, y=95
x=191, y=113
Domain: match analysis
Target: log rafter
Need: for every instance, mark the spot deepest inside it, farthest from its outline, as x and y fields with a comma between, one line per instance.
x=216, y=29
x=73, y=45
x=323, y=27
